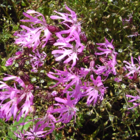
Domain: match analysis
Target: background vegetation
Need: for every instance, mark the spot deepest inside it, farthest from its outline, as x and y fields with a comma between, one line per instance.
x=110, y=119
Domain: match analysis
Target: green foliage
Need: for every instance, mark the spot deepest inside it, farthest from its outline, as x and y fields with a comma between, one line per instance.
x=13, y=128
x=3, y=128
x=7, y=130
x=110, y=119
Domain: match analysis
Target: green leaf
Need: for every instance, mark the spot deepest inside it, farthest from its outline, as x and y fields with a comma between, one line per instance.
x=3, y=122
x=4, y=68
x=15, y=127
x=23, y=3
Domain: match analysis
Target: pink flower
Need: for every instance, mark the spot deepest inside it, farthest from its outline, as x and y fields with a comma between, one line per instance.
x=41, y=127
x=132, y=68
x=11, y=99
x=67, y=50
x=11, y=59
x=129, y=20
x=107, y=48
x=31, y=37
x=108, y=68
x=66, y=109
x=66, y=78
x=134, y=34
x=68, y=18
x=70, y=80
x=37, y=60
x=95, y=92
x=135, y=100
x=118, y=79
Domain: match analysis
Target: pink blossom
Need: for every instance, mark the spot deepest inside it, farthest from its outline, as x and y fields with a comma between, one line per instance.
x=107, y=48
x=108, y=68
x=66, y=78
x=132, y=68
x=135, y=100
x=65, y=49
x=68, y=50
x=95, y=92
x=12, y=107
x=31, y=37
x=71, y=81
x=37, y=60
x=66, y=109
x=109, y=60
x=68, y=18
x=41, y=127
x=11, y=59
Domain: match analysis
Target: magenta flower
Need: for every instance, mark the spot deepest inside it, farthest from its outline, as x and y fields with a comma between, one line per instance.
x=83, y=72
x=11, y=59
x=66, y=109
x=11, y=99
x=134, y=34
x=83, y=37
x=132, y=68
x=68, y=19
x=129, y=20
x=41, y=127
x=108, y=68
x=135, y=100
x=107, y=48
x=95, y=92
x=31, y=37
x=71, y=81
x=138, y=59
x=37, y=60
x=118, y=79
x=66, y=78
x=68, y=50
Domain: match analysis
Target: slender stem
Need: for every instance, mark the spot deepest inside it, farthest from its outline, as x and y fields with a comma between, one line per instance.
x=5, y=12
x=14, y=9
x=26, y=2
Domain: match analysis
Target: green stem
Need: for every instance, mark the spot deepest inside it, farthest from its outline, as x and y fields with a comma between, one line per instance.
x=14, y=9
x=5, y=12
x=26, y=2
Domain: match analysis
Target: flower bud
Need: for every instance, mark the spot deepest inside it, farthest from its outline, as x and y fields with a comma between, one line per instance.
x=25, y=77
x=83, y=37
x=86, y=59
x=51, y=41
x=52, y=28
x=91, y=46
x=135, y=76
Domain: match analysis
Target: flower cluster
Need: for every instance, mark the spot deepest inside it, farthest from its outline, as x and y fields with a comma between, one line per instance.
x=69, y=45
x=109, y=60
x=76, y=81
